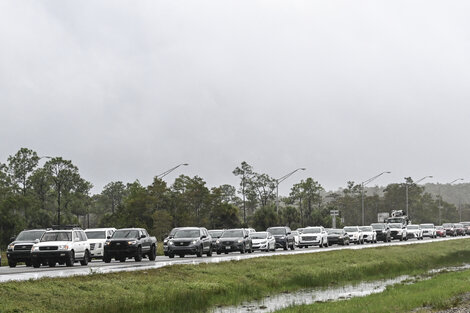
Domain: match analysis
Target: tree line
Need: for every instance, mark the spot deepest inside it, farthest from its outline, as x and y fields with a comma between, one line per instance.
x=34, y=196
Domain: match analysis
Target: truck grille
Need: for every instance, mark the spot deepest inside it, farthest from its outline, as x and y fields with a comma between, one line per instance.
x=92, y=246
x=118, y=244
x=48, y=248
x=22, y=247
x=227, y=243
x=309, y=238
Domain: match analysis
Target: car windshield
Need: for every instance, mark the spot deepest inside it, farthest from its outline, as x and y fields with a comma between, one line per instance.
x=295, y=233
x=378, y=226
x=312, y=230
x=187, y=233
x=259, y=235
x=278, y=231
x=395, y=225
x=216, y=233
x=447, y=225
x=57, y=236
x=412, y=227
x=96, y=234
x=173, y=232
x=366, y=228
x=439, y=227
x=351, y=229
x=29, y=235
x=459, y=225
x=427, y=226
x=125, y=233
x=232, y=233
x=334, y=231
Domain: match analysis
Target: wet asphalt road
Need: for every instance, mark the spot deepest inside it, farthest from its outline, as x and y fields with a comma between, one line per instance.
x=22, y=272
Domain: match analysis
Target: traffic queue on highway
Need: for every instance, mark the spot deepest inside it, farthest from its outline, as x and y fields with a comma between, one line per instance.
x=66, y=245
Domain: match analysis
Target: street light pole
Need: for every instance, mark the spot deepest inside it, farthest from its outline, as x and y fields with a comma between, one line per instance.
x=364, y=183
x=440, y=198
x=160, y=176
x=407, y=186
x=280, y=180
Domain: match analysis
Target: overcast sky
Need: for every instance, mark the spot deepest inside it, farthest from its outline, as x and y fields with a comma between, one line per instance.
x=347, y=89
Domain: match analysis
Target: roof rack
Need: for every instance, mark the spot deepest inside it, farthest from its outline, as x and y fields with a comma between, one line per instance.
x=66, y=227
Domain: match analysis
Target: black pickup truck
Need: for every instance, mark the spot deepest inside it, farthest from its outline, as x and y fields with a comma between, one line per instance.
x=130, y=243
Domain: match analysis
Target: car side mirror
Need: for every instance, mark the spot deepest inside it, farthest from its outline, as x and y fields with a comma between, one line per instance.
x=143, y=236
x=12, y=238
x=108, y=237
x=36, y=241
x=203, y=236
x=246, y=236
x=288, y=233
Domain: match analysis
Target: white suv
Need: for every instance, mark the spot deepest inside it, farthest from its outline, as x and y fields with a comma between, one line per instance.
x=64, y=246
x=429, y=230
x=97, y=237
x=355, y=234
x=313, y=236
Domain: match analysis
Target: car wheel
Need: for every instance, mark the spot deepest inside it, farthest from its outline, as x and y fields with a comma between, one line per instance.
x=153, y=253
x=199, y=252
x=226, y=252
x=122, y=259
x=242, y=249
x=28, y=263
x=106, y=258
x=181, y=255
x=218, y=252
x=209, y=253
x=286, y=246
x=36, y=264
x=11, y=263
x=51, y=264
x=293, y=246
x=321, y=244
x=250, y=250
x=138, y=255
x=70, y=259
x=171, y=255
x=85, y=258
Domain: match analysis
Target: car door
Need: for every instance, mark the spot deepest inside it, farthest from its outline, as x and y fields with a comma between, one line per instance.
x=207, y=241
x=145, y=241
x=78, y=244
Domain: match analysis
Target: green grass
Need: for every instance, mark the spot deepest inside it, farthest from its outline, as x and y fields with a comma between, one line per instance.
x=4, y=259
x=439, y=293
x=188, y=288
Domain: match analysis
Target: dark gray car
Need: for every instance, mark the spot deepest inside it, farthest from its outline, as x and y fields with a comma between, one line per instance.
x=190, y=240
x=283, y=236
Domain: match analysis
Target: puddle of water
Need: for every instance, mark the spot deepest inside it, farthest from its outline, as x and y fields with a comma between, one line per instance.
x=281, y=301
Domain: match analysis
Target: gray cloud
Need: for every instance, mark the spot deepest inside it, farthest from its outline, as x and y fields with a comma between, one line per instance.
x=347, y=89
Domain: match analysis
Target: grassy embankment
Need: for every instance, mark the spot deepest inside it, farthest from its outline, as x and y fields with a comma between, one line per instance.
x=440, y=292
x=4, y=259
x=188, y=288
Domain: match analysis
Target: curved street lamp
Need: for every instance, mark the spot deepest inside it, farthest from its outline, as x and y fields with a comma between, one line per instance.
x=440, y=198
x=364, y=183
x=280, y=180
x=407, y=186
x=160, y=176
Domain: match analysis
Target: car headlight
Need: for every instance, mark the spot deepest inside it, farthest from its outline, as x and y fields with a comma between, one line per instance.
x=34, y=248
x=63, y=247
x=11, y=246
x=132, y=242
x=170, y=243
x=240, y=241
x=263, y=242
x=194, y=242
x=165, y=241
x=107, y=243
x=282, y=238
x=217, y=241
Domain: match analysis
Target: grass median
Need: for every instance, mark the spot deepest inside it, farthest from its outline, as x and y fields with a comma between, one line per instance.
x=196, y=288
